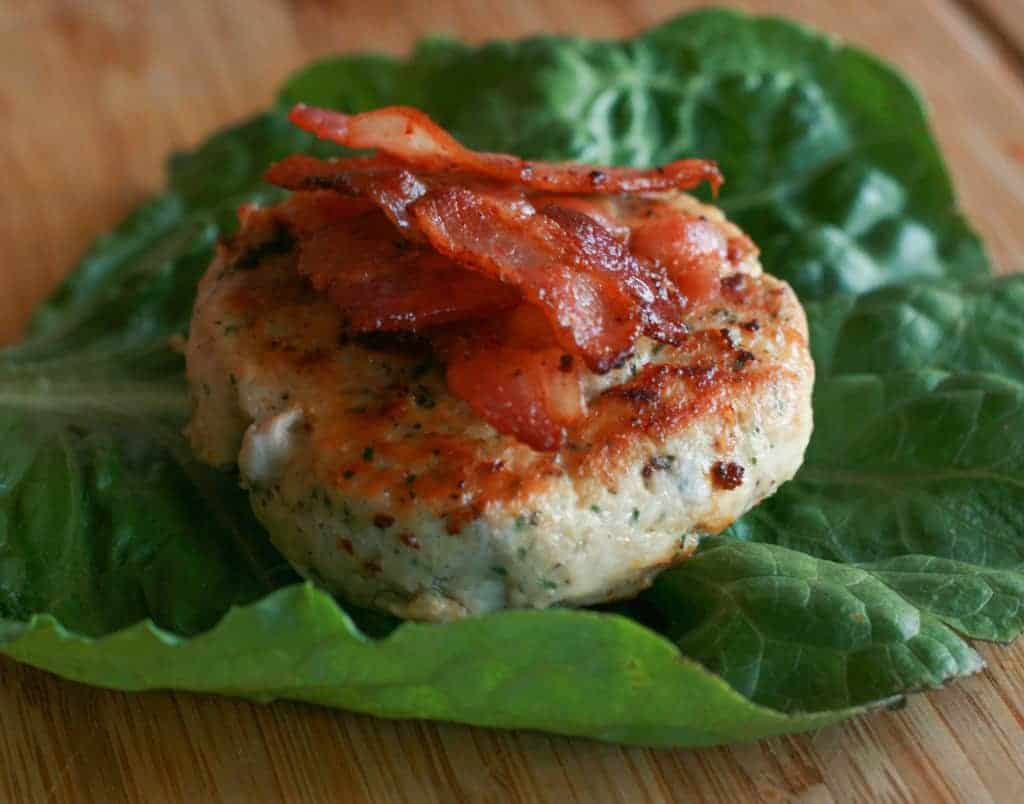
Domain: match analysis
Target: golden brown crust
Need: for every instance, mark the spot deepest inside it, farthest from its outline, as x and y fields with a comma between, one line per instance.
x=374, y=478
x=396, y=435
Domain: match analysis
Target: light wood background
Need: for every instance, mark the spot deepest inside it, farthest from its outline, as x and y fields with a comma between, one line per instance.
x=94, y=95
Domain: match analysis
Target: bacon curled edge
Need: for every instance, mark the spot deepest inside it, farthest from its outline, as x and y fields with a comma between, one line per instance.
x=507, y=239
x=409, y=135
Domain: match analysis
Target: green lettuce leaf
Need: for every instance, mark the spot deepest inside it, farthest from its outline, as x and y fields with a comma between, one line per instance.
x=572, y=672
x=105, y=517
x=914, y=478
x=924, y=463
x=792, y=632
x=976, y=325
x=124, y=563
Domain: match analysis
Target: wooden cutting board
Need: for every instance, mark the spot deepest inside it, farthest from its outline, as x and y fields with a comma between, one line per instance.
x=93, y=97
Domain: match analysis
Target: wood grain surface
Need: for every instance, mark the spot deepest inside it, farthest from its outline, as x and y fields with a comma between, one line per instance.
x=95, y=95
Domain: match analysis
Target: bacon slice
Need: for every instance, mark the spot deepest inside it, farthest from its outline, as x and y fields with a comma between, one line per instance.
x=382, y=283
x=597, y=208
x=513, y=374
x=304, y=213
x=506, y=239
x=410, y=136
x=691, y=249
x=660, y=303
x=429, y=235
x=389, y=186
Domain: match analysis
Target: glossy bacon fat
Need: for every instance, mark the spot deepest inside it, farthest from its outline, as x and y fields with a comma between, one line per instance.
x=384, y=284
x=514, y=374
x=587, y=309
x=520, y=273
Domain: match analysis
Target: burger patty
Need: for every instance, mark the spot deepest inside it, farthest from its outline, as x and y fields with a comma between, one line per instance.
x=377, y=483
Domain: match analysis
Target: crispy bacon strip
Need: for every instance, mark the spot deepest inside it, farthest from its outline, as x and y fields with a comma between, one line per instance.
x=659, y=301
x=408, y=135
x=514, y=375
x=597, y=208
x=505, y=238
x=389, y=186
x=515, y=300
x=304, y=213
x=382, y=283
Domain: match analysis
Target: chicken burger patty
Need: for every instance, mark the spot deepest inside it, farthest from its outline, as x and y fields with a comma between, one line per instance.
x=380, y=484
